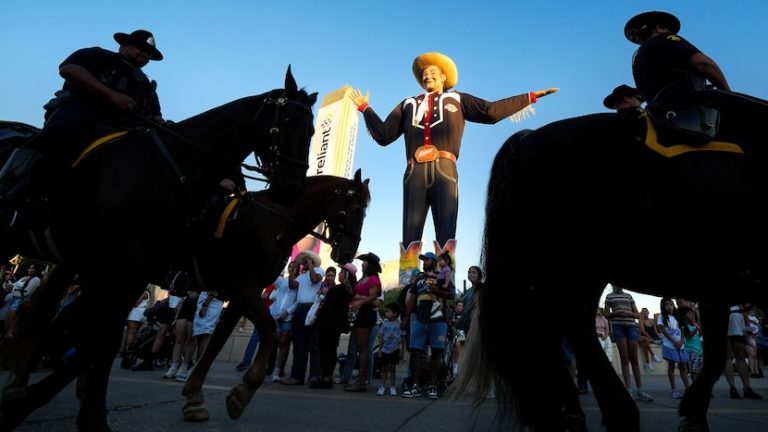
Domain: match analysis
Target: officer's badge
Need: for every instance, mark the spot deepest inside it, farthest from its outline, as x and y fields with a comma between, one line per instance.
x=674, y=38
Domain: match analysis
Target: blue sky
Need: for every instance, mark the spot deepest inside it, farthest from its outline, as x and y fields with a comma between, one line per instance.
x=218, y=51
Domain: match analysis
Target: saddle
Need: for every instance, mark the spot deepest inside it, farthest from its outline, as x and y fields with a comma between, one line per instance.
x=689, y=124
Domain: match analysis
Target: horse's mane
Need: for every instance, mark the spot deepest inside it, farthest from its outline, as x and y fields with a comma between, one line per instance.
x=224, y=109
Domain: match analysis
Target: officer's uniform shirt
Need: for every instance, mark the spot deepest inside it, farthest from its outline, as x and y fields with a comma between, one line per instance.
x=117, y=74
x=664, y=62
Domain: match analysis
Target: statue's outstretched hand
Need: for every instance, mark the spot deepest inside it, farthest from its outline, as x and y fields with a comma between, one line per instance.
x=358, y=98
x=549, y=91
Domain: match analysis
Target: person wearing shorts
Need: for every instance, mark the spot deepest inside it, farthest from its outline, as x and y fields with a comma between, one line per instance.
x=621, y=311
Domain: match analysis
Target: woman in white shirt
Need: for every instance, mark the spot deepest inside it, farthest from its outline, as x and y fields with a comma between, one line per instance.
x=21, y=293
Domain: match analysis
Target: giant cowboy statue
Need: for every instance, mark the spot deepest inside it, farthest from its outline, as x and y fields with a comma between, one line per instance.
x=433, y=125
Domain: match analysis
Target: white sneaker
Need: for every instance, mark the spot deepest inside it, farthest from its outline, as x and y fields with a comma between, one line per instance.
x=432, y=392
x=648, y=367
x=182, y=374
x=643, y=396
x=656, y=359
x=381, y=390
x=171, y=372
x=275, y=378
x=392, y=391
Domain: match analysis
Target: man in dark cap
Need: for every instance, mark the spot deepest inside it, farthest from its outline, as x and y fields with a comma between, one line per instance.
x=623, y=99
x=425, y=328
x=103, y=91
x=666, y=65
x=671, y=72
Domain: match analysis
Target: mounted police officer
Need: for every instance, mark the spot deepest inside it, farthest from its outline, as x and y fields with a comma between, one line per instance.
x=684, y=88
x=103, y=91
x=624, y=99
x=666, y=65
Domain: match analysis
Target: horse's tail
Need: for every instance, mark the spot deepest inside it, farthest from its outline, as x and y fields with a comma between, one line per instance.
x=34, y=320
x=487, y=368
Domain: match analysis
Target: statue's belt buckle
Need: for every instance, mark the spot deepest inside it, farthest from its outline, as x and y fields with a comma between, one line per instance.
x=426, y=153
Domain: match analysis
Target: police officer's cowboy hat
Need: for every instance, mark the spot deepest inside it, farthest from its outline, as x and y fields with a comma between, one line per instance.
x=142, y=39
x=618, y=94
x=446, y=65
x=639, y=27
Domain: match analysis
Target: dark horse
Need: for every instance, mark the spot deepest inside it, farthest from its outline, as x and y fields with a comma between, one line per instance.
x=587, y=201
x=129, y=211
x=252, y=253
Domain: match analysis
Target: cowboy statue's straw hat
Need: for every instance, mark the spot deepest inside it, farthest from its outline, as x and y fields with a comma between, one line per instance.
x=440, y=60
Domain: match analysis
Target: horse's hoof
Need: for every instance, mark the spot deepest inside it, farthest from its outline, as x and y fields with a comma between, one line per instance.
x=13, y=410
x=237, y=400
x=195, y=412
x=693, y=425
x=100, y=427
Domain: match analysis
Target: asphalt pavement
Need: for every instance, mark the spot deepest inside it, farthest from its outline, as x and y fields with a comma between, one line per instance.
x=143, y=401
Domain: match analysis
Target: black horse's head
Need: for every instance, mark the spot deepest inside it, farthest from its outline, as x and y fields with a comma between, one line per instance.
x=348, y=206
x=288, y=120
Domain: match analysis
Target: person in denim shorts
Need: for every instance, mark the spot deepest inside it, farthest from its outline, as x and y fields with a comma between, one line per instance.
x=425, y=330
x=621, y=311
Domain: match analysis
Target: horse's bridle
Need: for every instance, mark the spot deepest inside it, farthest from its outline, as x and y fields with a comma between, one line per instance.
x=338, y=229
x=265, y=168
x=268, y=167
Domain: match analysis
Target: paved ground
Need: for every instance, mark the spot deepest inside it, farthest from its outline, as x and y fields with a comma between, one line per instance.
x=143, y=401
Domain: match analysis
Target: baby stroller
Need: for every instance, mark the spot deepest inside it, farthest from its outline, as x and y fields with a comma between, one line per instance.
x=142, y=348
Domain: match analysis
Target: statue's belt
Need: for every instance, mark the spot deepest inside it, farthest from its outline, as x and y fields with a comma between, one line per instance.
x=430, y=153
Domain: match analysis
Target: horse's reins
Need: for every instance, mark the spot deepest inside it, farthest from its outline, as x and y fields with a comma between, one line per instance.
x=274, y=131
x=273, y=148
x=338, y=229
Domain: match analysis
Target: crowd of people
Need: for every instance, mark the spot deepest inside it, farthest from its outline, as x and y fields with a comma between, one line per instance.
x=418, y=323
x=676, y=329
x=313, y=306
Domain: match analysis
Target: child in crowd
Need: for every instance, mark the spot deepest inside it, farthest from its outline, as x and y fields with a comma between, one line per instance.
x=444, y=276
x=673, y=346
x=692, y=336
x=390, y=336
x=751, y=333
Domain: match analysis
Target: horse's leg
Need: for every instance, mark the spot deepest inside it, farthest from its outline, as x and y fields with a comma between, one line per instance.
x=33, y=325
x=92, y=386
x=15, y=409
x=99, y=333
x=693, y=408
x=194, y=409
x=616, y=405
x=551, y=396
x=241, y=394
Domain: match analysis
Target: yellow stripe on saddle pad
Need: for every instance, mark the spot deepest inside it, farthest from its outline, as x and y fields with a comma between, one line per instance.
x=96, y=144
x=651, y=140
x=224, y=217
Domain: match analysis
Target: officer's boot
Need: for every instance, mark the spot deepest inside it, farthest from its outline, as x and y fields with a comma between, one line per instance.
x=13, y=179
